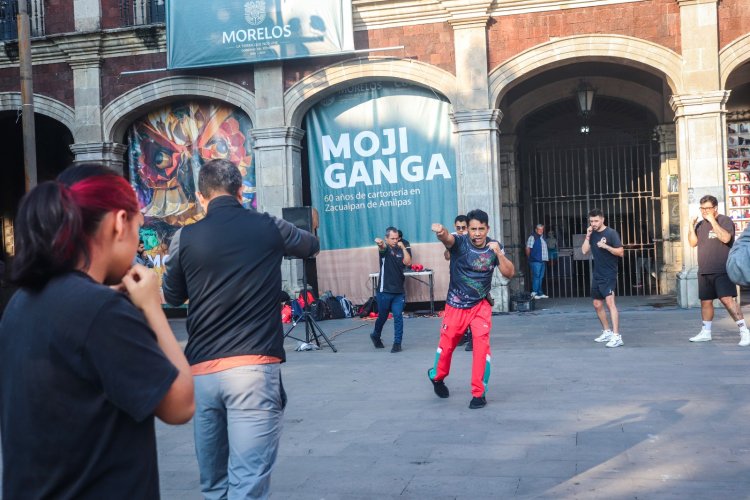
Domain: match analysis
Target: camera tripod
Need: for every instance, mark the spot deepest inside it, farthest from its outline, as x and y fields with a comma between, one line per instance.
x=313, y=331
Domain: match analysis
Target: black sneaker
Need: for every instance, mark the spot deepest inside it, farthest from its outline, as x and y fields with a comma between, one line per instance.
x=440, y=388
x=396, y=348
x=377, y=342
x=469, y=345
x=478, y=403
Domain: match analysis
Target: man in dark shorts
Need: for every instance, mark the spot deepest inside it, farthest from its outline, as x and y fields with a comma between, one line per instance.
x=606, y=249
x=474, y=257
x=714, y=237
x=393, y=257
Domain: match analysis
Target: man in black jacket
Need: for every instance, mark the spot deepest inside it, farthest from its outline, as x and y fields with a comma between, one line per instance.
x=229, y=267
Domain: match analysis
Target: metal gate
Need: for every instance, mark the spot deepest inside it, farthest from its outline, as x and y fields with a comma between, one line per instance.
x=562, y=182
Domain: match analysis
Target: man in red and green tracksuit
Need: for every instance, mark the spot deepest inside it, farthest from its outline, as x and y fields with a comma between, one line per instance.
x=474, y=257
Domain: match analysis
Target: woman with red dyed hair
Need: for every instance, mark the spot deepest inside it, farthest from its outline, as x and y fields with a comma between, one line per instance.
x=87, y=357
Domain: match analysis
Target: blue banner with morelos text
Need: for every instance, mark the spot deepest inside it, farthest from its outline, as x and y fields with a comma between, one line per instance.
x=214, y=33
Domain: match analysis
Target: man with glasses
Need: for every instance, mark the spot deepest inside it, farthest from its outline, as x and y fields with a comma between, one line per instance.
x=714, y=237
x=461, y=224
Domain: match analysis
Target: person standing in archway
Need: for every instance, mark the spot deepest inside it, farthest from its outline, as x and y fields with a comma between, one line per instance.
x=714, y=237
x=537, y=253
x=606, y=248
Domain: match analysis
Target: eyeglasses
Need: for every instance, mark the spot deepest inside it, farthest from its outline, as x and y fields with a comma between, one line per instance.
x=459, y=228
x=708, y=208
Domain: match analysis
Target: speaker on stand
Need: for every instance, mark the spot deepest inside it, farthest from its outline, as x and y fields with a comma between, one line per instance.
x=306, y=218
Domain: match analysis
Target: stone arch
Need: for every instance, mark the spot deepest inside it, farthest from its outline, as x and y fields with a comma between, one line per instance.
x=542, y=96
x=614, y=48
x=299, y=98
x=11, y=101
x=118, y=114
x=733, y=56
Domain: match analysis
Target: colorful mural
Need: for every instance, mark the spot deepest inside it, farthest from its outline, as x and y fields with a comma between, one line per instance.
x=166, y=150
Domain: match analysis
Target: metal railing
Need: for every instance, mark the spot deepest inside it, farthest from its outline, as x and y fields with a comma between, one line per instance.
x=142, y=12
x=566, y=180
x=8, y=23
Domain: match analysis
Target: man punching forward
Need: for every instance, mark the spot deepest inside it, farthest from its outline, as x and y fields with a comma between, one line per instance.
x=474, y=257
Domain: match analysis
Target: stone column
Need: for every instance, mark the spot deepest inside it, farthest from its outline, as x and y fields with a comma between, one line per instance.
x=700, y=128
x=510, y=191
x=84, y=57
x=701, y=137
x=278, y=180
x=476, y=124
x=87, y=14
x=671, y=248
x=278, y=157
x=478, y=177
x=109, y=154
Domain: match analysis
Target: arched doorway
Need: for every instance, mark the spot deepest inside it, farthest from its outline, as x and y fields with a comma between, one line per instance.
x=568, y=167
x=53, y=154
x=53, y=142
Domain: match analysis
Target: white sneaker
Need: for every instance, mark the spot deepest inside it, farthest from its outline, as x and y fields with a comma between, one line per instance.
x=606, y=336
x=542, y=296
x=703, y=336
x=615, y=341
x=744, y=338
x=533, y=295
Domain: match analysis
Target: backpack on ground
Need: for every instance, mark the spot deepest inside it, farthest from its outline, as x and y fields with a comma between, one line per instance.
x=337, y=312
x=320, y=311
x=371, y=306
x=297, y=310
x=347, y=306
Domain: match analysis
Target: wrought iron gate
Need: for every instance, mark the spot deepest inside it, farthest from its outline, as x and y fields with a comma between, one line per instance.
x=562, y=182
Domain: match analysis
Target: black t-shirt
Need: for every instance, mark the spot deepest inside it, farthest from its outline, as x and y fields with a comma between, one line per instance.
x=712, y=253
x=471, y=273
x=81, y=374
x=391, y=270
x=605, y=264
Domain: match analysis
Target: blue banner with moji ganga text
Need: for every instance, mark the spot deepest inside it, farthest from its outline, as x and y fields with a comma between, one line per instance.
x=381, y=154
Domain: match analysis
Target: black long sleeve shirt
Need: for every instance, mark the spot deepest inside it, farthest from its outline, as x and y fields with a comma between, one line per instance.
x=228, y=265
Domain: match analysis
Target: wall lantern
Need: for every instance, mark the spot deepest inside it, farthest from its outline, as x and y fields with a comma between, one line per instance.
x=585, y=98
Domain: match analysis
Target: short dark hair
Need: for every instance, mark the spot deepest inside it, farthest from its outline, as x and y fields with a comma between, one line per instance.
x=710, y=198
x=596, y=212
x=460, y=218
x=400, y=234
x=219, y=176
x=478, y=215
x=390, y=229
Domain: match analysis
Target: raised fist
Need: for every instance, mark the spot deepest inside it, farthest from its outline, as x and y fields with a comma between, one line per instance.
x=437, y=227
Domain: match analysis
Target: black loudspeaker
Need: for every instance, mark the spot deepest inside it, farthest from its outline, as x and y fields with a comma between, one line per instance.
x=299, y=216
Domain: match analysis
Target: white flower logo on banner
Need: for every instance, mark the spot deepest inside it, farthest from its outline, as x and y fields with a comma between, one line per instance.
x=255, y=12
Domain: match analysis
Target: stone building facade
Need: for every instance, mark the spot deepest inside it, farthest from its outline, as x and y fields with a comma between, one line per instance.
x=676, y=70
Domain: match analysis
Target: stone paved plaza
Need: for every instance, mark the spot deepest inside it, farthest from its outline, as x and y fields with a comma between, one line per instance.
x=566, y=417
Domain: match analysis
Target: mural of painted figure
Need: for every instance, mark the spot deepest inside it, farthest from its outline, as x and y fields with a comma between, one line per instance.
x=168, y=147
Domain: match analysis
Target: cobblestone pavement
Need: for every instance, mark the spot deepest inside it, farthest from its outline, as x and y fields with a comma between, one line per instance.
x=566, y=417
